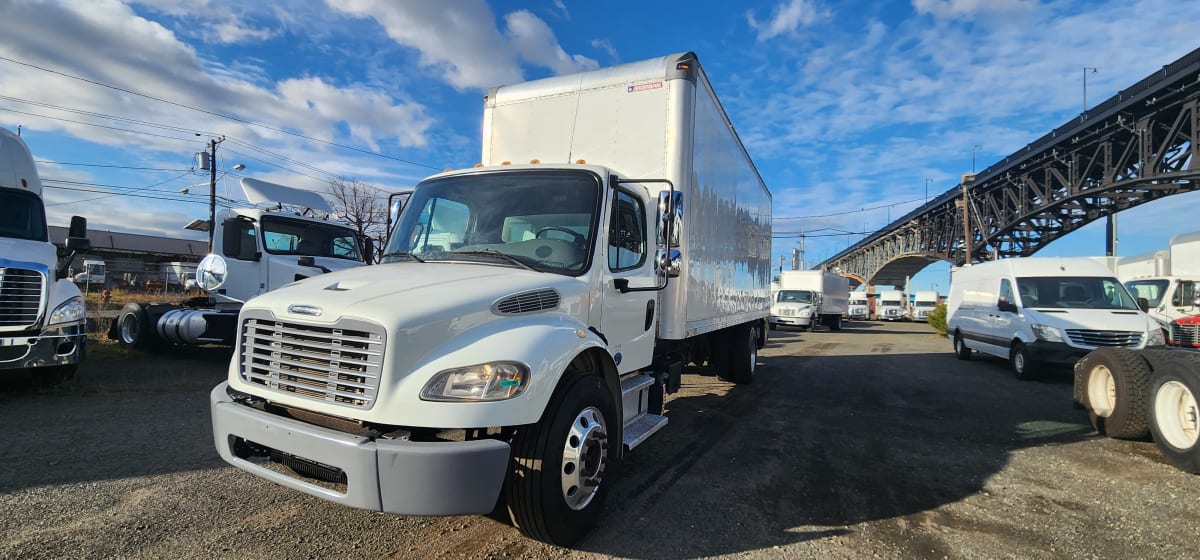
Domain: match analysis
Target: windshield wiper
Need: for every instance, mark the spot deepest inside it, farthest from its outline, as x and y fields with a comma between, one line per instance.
x=402, y=254
x=495, y=253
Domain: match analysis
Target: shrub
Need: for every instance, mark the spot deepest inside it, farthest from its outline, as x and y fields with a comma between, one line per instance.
x=937, y=319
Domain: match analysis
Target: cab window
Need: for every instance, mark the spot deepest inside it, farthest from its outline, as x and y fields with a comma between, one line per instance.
x=627, y=233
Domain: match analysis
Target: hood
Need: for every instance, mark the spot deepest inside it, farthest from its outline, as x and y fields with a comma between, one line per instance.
x=408, y=294
x=28, y=251
x=1091, y=319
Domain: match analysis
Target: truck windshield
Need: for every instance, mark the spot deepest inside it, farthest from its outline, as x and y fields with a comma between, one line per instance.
x=1074, y=292
x=287, y=236
x=22, y=215
x=544, y=220
x=1152, y=290
x=858, y=302
x=926, y=303
x=794, y=296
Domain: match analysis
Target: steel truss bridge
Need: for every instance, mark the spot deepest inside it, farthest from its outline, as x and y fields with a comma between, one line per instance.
x=1138, y=146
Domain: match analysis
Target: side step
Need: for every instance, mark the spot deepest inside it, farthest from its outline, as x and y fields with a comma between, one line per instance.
x=637, y=431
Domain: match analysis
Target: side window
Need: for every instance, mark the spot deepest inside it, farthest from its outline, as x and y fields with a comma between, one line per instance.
x=627, y=233
x=239, y=239
x=441, y=227
x=1006, y=291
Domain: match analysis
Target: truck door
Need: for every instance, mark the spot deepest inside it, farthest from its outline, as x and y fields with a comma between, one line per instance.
x=629, y=317
x=243, y=254
x=1003, y=318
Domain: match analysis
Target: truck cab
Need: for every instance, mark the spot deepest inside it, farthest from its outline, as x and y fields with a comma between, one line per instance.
x=42, y=316
x=859, y=306
x=923, y=304
x=795, y=308
x=890, y=306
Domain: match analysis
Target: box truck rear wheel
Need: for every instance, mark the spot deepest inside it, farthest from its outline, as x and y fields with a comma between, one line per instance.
x=563, y=466
x=742, y=341
x=1115, y=382
x=1175, y=414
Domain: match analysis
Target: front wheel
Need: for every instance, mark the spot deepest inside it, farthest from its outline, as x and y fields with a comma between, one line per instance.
x=1175, y=415
x=961, y=351
x=563, y=466
x=1022, y=366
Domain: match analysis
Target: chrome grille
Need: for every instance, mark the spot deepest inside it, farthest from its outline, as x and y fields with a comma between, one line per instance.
x=787, y=312
x=527, y=302
x=337, y=364
x=1092, y=338
x=1187, y=335
x=20, y=298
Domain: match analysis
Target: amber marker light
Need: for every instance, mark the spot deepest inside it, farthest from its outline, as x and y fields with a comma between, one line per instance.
x=535, y=160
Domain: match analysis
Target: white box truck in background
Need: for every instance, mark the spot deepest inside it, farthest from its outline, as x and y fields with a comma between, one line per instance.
x=890, y=306
x=858, y=306
x=92, y=275
x=42, y=314
x=923, y=304
x=807, y=298
x=1166, y=279
x=529, y=317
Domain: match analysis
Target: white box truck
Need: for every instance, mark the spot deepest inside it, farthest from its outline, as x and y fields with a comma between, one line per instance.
x=283, y=236
x=528, y=319
x=858, y=306
x=890, y=306
x=807, y=298
x=42, y=314
x=1166, y=279
x=1034, y=310
x=923, y=303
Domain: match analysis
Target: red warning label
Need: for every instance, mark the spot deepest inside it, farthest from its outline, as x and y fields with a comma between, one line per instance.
x=644, y=87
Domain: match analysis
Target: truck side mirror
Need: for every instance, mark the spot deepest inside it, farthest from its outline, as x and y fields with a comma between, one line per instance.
x=77, y=235
x=1143, y=304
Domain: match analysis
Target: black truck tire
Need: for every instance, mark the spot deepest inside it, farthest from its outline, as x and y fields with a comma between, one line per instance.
x=743, y=346
x=1116, y=381
x=563, y=467
x=1175, y=413
x=961, y=351
x=135, y=329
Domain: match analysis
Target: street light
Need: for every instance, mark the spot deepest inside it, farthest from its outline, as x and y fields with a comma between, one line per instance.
x=974, y=149
x=1083, y=115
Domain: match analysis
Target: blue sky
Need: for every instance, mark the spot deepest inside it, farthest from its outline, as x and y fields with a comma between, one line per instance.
x=846, y=107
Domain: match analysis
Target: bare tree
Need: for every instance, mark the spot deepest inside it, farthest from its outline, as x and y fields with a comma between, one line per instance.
x=364, y=206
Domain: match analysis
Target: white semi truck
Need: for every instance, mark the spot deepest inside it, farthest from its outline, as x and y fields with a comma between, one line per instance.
x=807, y=298
x=528, y=319
x=890, y=306
x=92, y=275
x=274, y=241
x=1166, y=279
x=42, y=314
x=923, y=303
x=859, y=306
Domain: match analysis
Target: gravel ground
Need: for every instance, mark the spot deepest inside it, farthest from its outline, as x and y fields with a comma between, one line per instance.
x=869, y=443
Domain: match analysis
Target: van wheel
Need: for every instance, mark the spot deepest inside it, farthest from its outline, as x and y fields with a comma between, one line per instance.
x=1115, y=382
x=1175, y=415
x=563, y=466
x=960, y=348
x=1022, y=366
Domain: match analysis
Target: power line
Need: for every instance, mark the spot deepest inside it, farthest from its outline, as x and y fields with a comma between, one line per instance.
x=215, y=114
x=848, y=211
x=110, y=166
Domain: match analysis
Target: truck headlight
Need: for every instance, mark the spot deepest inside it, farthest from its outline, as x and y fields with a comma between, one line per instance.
x=806, y=313
x=494, y=381
x=1156, y=337
x=71, y=311
x=1047, y=333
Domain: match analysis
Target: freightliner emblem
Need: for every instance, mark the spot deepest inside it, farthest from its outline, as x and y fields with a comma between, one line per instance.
x=304, y=309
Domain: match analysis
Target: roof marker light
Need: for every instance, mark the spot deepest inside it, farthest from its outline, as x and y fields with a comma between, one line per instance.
x=506, y=163
x=478, y=165
x=581, y=161
x=535, y=160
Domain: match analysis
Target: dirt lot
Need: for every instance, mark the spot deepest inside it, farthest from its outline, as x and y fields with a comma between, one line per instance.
x=871, y=442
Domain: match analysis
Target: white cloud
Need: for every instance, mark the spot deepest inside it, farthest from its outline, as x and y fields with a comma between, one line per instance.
x=534, y=41
x=968, y=9
x=788, y=18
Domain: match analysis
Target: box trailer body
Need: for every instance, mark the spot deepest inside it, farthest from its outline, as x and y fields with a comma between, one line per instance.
x=42, y=314
x=1043, y=310
x=1166, y=279
x=541, y=307
x=807, y=298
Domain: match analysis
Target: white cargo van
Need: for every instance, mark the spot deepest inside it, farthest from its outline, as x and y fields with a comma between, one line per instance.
x=1032, y=310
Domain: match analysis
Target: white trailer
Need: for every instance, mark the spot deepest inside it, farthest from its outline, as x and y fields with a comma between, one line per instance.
x=1165, y=281
x=890, y=306
x=528, y=320
x=807, y=298
x=42, y=314
x=277, y=240
x=923, y=303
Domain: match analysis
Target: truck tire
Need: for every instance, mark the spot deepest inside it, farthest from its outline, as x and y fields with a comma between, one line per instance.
x=1175, y=414
x=562, y=468
x=743, y=345
x=1114, y=392
x=835, y=324
x=135, y=330
x=1022, y=366
x=961, y=351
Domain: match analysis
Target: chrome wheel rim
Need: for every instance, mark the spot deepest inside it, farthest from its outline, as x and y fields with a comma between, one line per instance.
x=585, y=455
x=129, y=328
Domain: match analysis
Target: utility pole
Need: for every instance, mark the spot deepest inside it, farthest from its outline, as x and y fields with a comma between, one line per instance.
x=967, y=181
x=212, y=189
